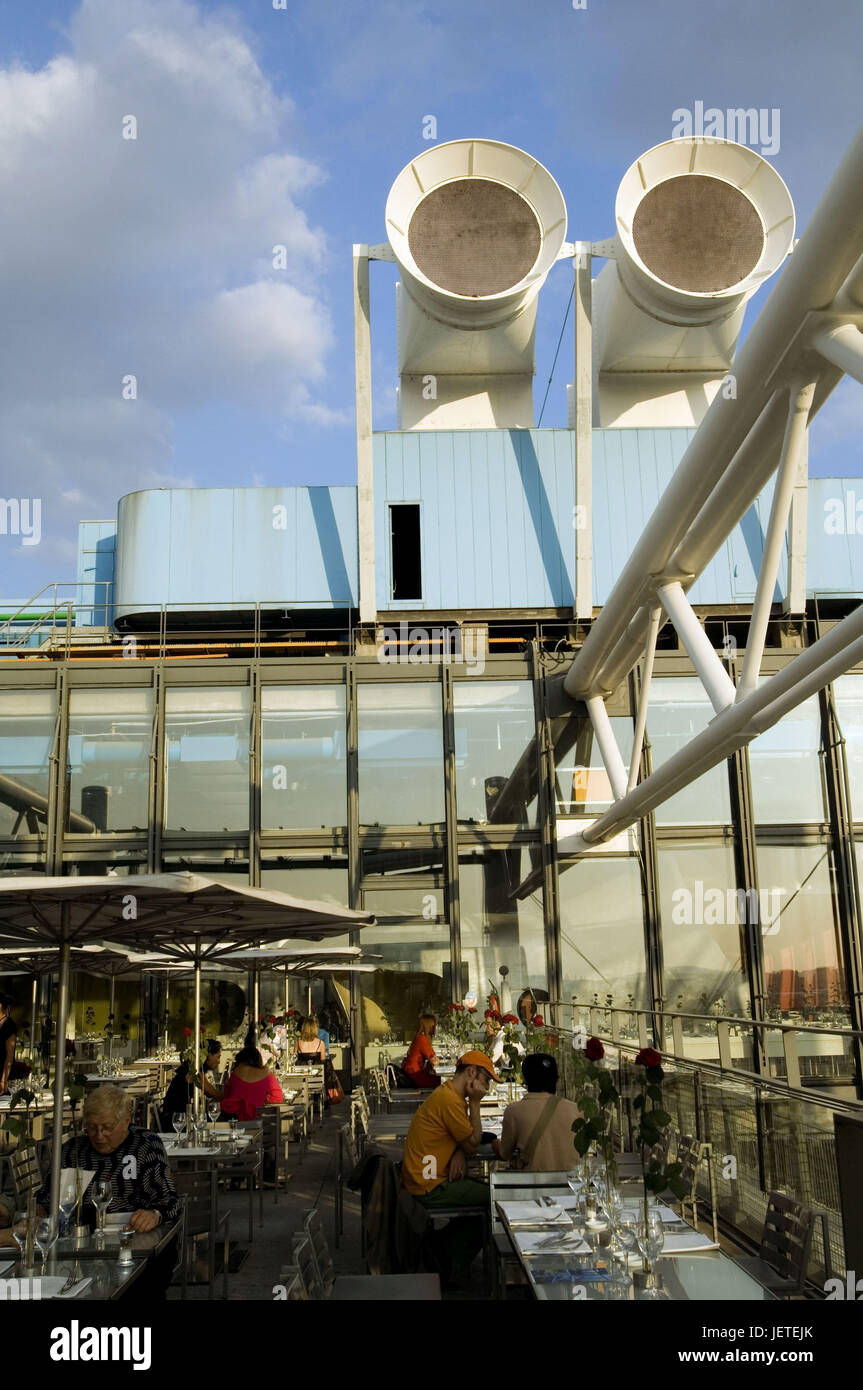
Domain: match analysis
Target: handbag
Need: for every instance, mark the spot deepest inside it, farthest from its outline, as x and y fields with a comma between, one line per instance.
x=335, y=1093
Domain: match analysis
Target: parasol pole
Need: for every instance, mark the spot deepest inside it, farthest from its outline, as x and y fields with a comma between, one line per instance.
x=287, y=995
x=33, y=999
x=60, y=1061
x=196, y=1036
x=256, y=1001
x=111, y=1016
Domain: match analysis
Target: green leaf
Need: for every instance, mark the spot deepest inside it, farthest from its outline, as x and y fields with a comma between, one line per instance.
x=660, y=1117
x=638, y=1103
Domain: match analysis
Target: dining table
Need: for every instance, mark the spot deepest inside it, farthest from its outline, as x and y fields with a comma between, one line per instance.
x=72, y=1278
x=545, y=1231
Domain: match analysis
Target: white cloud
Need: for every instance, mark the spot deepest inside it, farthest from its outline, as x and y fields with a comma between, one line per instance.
x=151, y=256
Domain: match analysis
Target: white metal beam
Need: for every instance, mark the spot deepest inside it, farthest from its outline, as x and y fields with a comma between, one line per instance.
x=704, y=657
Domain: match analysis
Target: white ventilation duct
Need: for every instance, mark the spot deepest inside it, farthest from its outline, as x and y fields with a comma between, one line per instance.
x=475, y=226
x=701, y=224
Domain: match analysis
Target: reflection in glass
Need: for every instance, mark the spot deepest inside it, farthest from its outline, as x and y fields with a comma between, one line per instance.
x=110, y=733
x=701, y=929
x=494, y=725
x=786, y=768
x=678, y=709
x=498, y=929
x=207, y=758
x=303, y=754
x=602, y=931
x=848, y=691
x=306, y=878
x=27, y=720
x=400, y=754
x=803, y=969
x=583, y=785
x=412, y=937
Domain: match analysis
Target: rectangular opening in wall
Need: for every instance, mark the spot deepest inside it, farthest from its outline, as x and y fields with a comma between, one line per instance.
x=406, y=564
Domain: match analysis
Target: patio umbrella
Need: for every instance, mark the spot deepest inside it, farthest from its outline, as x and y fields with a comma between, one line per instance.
x=175, y=914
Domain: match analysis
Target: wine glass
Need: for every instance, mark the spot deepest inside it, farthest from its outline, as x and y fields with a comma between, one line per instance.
x=178, y=1120
x=19, y=1230
x=214, y=1110
x=101, y=1195
x=651, y=1236
x=68, y=1199
x=575, y=1182
x=46, y=1237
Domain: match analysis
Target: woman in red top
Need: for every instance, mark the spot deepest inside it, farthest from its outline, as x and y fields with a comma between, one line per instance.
x=249, y=1086
x=420, y=1061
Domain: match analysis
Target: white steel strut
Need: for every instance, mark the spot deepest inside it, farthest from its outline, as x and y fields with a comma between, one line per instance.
x=806, y=338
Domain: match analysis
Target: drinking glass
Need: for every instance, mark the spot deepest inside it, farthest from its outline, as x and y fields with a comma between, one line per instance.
x=214, y=1110
x=575, y=1182
x=178, y=1120
x=100, y=1196
x=46, y=1237
x=19, y=1230
x=68, y=1199
x=235, y=1129
x=651, y=1236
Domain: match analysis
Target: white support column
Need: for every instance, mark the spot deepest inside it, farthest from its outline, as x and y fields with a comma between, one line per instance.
x=608, y=748
x=583, y=389
x=365, y=455
x=714, y=677
x=798, y=535
x=641, y=717
x=843, y=346
x=799, y=405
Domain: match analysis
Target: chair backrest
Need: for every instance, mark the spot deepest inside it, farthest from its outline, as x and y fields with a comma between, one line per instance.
x=304, y=1259
x=26, y=1173
x=194, y=1186
x=292, y=1281
x=787, y=1237
x=349, y=1152
x=323, y=1259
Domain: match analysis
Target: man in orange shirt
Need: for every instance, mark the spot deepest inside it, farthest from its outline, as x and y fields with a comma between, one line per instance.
x=445, y=1129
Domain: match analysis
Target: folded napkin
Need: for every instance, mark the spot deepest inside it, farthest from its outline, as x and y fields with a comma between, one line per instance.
x=685, y=1242
x=75, y=1290
x=535, y=1213
x=669, y=1217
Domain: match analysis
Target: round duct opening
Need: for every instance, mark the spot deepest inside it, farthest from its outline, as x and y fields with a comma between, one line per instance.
x=698, y=233
x=474, y=237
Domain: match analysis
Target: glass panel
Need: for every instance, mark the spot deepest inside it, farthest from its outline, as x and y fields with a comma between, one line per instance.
x=413, y=976
x=677, y=710
x=848, y=691
x=26, y=734
x=304, y=762
x=494, y=724
x=207, y=759
x=602, y=933
x=304, y=878
x=209, y=863
x=499, y=932
x=582, y=786
x=110, y=733
x=804, y=974
x=400, y=754
x=786, y=768
x=702, y=940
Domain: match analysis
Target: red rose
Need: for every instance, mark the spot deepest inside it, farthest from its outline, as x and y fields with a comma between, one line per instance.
x=187, y=1032
x=594, y=1050
x=472, y=1009
x=450, y=1008
x=509, y=1018
x=648, y=1057
x=272, y=1018
x=459, y=1008
x=537, y=1020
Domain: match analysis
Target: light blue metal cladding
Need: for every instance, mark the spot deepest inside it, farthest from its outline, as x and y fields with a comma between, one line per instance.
x=498, y=518
x=229, y=547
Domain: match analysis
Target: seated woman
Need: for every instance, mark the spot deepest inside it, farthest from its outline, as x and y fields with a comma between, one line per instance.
x=249, y=1086
x=311, y=1049
x=179, y=1093
x=419, y=1065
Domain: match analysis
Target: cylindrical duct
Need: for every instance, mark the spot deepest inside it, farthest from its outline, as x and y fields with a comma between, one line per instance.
x=475, y=226
x=701, y=224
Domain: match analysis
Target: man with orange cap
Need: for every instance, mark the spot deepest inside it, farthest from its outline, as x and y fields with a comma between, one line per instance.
x=445, y=1129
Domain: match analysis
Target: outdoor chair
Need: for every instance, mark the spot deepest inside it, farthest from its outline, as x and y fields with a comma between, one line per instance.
x=295, y=1289
x=199, y=1191
x=306, y=1266
x=26, y=1174
x=783, y=1255
x=348, y=1158
x=691, y=1153
x=276, y=1120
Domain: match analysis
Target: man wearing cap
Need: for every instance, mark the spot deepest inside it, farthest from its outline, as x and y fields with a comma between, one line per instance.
x=445, y=1129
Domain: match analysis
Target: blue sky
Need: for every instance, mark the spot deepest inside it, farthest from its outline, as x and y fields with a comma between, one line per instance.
x=258, y=127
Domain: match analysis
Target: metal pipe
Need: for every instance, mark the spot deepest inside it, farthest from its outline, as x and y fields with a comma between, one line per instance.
x=812, y=277
x=607, y=746
x=111, y=994
x=843, y=346
x=794, y=442
x=714, y=677
x=641, y=717
x=806, y=674
x=34, y=992
x=60, y=1063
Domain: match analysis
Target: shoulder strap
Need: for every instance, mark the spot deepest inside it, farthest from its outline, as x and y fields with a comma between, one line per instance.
x=538, y=1130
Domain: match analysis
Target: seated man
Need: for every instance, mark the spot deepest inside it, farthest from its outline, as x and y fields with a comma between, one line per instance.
x=444, y=1130
x=540, y=1125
